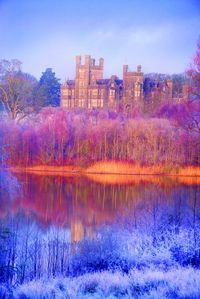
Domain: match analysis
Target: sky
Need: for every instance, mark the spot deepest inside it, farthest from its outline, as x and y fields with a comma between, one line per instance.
x=161, y=35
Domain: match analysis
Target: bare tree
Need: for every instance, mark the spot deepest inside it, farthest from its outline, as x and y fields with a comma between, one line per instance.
x=16, y=89
x=193, y=121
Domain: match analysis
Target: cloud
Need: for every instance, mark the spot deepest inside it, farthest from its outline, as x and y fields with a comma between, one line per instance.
x=145, y=36
x=104, y=35
x=161, y=41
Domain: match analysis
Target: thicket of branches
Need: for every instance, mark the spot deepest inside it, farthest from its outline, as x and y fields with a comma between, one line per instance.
x=59, y=137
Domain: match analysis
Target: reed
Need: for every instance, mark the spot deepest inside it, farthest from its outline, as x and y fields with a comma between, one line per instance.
x=120, y=167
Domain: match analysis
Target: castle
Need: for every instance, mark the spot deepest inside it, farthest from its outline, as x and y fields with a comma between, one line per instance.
x=90, y=90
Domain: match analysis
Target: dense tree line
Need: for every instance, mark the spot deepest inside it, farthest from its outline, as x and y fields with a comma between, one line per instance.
x=59, y=137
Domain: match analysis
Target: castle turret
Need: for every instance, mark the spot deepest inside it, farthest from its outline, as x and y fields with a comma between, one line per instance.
x=78, y=60
x=101, y=62
x=139, y=68
x=132, y=86
x=125, y=68
x=87, y=60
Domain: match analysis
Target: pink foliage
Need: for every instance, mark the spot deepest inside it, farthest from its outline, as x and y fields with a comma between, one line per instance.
x=59, y=137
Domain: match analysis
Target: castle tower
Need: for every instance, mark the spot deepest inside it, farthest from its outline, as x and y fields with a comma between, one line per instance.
x=132, y=87
x=86, y=75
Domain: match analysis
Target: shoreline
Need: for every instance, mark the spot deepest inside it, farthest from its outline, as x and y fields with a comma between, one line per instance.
x=110, y=168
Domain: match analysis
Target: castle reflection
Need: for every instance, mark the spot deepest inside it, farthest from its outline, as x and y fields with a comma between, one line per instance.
x=84, y=204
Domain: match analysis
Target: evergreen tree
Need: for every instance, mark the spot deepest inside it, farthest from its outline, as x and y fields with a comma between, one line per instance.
x=48, y=90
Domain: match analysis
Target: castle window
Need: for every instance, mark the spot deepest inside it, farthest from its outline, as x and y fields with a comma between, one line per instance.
x=81, y=103
x=137, y=93
x=81, y=84
x=95, y=92
x=112, y=92
x=94, y=103
x=82, y=92
x=64, y=103
x=65, y=92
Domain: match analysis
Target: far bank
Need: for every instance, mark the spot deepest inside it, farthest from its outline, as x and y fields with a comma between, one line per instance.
x=112, y=167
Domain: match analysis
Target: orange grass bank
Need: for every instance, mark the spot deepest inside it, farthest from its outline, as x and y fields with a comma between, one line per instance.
x=50, y=170
x=112, y=167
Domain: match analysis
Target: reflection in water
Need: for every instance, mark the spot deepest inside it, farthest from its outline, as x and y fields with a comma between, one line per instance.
x=85, y=204
x=125, y=222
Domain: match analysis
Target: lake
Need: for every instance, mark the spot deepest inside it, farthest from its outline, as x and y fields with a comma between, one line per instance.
x=83, y=205
x=71, y=225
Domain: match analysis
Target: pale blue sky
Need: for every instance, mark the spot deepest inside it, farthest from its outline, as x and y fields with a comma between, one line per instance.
x=160, y=35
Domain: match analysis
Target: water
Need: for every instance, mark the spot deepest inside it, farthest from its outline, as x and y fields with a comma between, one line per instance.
x=84, y=204
x=74, y=225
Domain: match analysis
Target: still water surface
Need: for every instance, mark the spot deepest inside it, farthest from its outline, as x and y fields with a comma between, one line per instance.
x=83, y=205
x=100, y=234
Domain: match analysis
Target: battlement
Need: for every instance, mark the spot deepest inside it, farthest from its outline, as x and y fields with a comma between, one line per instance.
x=138, y=72
x=90, y=62
x=90, y=90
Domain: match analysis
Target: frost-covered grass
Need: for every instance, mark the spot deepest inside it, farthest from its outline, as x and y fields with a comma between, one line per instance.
x=157, y=259
x=147, y=283
x=124, y=250
x=121, y=264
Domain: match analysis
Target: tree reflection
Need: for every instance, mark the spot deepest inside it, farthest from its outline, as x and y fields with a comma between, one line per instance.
x=86, y=203
x=57, y=222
